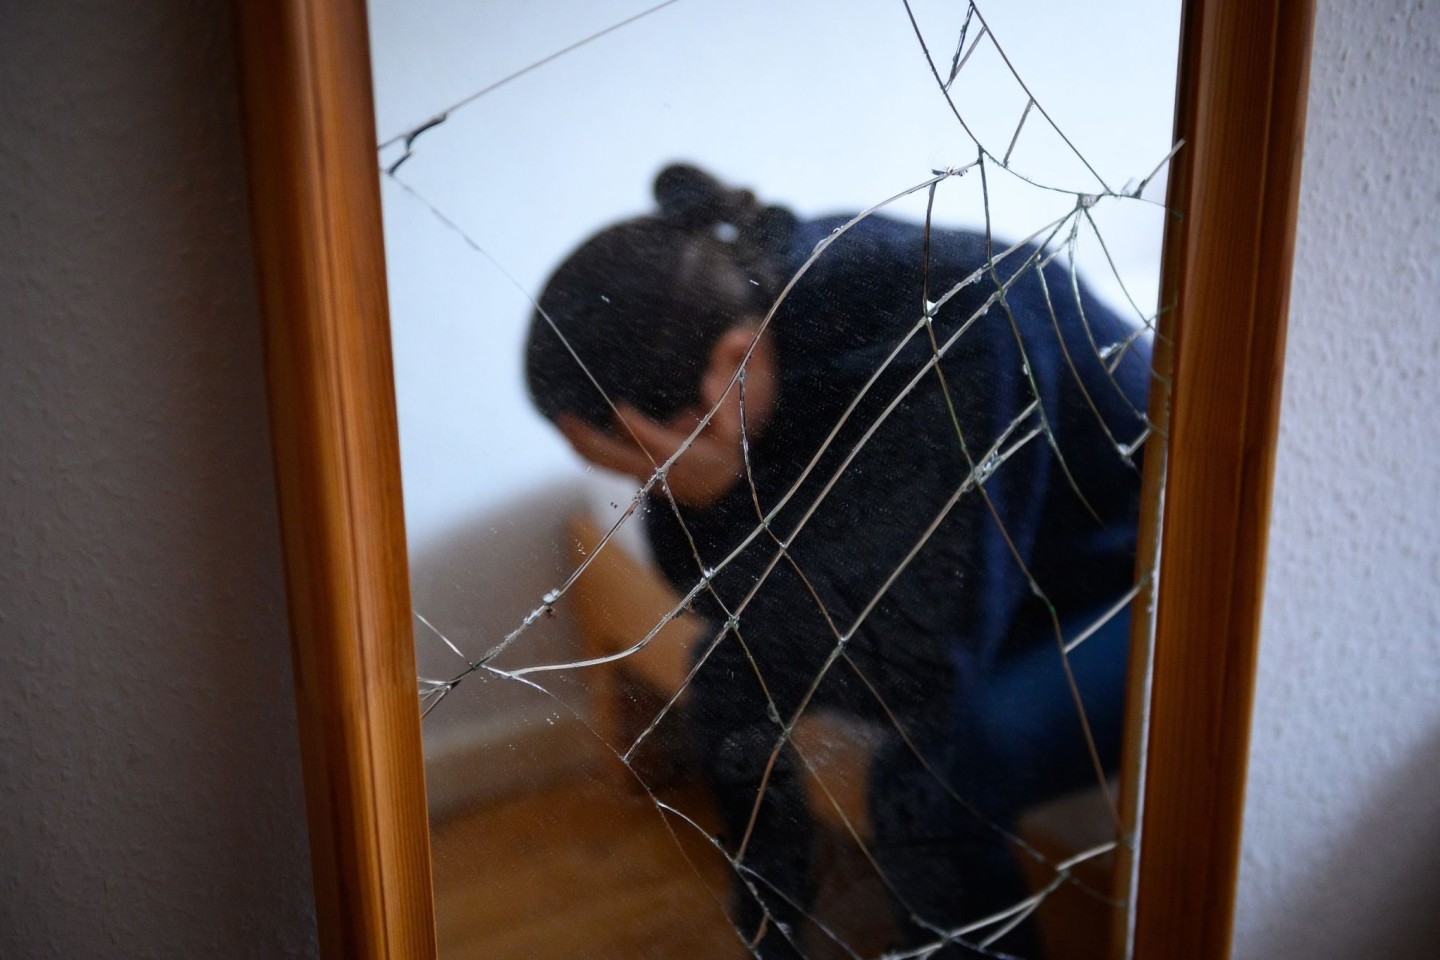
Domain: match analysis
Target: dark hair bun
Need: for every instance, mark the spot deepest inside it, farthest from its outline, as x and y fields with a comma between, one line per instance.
x=695, y=200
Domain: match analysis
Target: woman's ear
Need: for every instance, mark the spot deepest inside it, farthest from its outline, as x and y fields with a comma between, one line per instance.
x=726, y=356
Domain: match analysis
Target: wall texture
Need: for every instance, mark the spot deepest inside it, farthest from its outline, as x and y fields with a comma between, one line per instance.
x=149, y=787
x=1342, y=841
x=150, y=800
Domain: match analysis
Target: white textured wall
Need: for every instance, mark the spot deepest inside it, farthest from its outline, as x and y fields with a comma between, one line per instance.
x=150, y=801
x=149, y=787
x=1342, y=837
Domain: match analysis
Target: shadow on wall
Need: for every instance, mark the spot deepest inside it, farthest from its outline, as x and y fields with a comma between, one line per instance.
x=1350, y=905
x=476, y=584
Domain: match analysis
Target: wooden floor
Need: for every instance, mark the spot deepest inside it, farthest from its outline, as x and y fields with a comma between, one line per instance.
x=590, y=869
x=581, y=870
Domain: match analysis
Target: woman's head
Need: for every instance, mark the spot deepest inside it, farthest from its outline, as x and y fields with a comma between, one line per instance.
x=643, y=303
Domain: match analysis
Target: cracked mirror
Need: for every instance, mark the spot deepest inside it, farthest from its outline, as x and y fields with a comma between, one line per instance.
x=774, y=384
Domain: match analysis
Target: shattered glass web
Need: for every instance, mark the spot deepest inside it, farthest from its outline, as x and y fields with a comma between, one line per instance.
x=503, y=658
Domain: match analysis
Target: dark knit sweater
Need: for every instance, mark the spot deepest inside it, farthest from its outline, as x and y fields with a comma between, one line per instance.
x=940, y=565
x=1066, y=498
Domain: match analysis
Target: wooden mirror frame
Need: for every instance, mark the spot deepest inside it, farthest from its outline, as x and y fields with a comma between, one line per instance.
x=1240, y=107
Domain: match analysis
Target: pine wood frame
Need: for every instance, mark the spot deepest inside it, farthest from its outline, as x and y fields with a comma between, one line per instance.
x=320, y=264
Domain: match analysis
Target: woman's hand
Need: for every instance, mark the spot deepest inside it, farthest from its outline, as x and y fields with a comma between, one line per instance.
x=715, y=460
x=712, y=464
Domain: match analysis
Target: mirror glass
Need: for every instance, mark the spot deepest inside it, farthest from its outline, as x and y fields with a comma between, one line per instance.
x=773, y=384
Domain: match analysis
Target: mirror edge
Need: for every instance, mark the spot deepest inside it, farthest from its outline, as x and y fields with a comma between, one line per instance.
x=320, y=265
x=1240, y=108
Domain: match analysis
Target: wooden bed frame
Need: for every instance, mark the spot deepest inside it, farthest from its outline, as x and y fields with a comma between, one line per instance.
x=321, y=269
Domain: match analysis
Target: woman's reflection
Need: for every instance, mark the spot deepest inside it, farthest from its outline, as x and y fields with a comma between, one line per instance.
x=898, y=540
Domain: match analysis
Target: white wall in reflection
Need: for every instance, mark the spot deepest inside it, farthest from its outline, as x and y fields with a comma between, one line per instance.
x=826, y=107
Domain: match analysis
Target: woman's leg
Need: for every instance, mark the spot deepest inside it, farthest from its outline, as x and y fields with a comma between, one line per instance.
x=941, y=825
x=1033, y=723
x=1014, y=739
x=762, y=804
